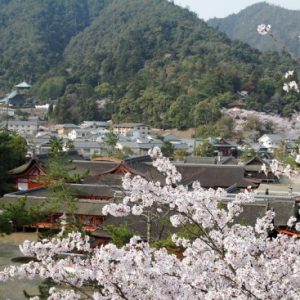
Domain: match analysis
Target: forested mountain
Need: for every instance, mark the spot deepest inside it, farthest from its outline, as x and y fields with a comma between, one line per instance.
x=149, y=61
x=242, y=26
x=34, y=34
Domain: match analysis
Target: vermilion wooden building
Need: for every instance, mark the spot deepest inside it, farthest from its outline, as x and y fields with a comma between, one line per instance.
x=28, y=176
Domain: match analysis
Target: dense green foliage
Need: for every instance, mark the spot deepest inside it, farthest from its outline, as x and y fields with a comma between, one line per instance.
x=14, y=216
x=13, y=149
x=120, y=235
x=167, y=149
x=134, y=60
x=58, y=175
x=242, y=26
x=204, y=149
x=34, y=34
x=159, y=63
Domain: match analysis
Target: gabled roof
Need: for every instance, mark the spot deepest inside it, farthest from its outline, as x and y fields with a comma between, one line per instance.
x=9, y=96
x=214, y=175
x=209, y=175
x=255, y=160
x=273, y=137
x=23, y=84
x=220, y=142
x=93, y=168
x=255, y=164
x=25, y=168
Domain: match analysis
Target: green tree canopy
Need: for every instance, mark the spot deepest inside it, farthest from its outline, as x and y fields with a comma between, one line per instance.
x=204, y=149
x=167, y=149
x=13, y=149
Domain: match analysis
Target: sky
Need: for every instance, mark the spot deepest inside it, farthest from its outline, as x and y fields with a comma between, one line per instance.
x=207, y=9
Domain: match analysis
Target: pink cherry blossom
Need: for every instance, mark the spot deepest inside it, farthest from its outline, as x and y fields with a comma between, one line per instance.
x=225, y=260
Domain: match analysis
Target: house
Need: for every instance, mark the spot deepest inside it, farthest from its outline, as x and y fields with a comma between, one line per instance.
x=40, y=144
x=90, y=134
x=270, y=141
x=88, y=148
x=65, y=129
x=139, y=146
x=192, y=144
x=24, y=128
x=79, y=134
x=5, y=111
x=129, y=129
x=261, y=150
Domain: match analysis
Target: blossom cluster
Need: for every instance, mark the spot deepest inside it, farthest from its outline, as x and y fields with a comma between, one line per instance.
x=290, y=85
x=288, y=127
x=224, y=261
x=264, y=29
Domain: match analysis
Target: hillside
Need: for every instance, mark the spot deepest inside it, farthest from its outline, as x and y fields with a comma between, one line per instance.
x=148, y=61
x=34, y=34
x=161, y=64
x=242, y=26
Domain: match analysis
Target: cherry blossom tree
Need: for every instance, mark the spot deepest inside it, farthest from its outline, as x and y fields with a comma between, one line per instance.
x=290, y=84
x=224, y=261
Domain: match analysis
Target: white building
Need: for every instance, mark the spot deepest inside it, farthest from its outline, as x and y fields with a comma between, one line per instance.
x=79, y=134
x=270, y=141
x=130, y=129
x=139, y=146
x=22, y=127
x=7, y=111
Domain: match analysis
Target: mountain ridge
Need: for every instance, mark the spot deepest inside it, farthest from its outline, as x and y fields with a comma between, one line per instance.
x=242, y=26
x=148, y=60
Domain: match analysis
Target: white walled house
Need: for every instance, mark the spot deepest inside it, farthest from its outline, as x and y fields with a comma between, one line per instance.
x=78, y=134
x=5, y=111
x=24, y=128
x=65, y=129
x=88, y=134
x=270, y=141
x=128, y=129
x=138, y=146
